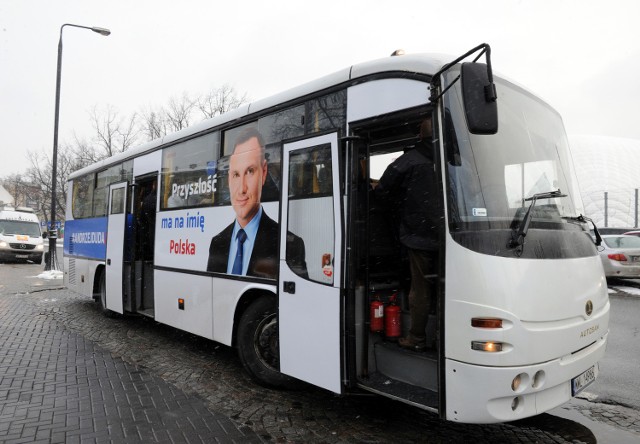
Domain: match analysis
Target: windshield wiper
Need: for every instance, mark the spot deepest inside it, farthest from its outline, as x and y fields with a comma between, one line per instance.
x=518, y=235
x=584, y=220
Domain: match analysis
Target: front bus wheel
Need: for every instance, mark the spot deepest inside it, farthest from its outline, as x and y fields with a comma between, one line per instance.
x=258, y=344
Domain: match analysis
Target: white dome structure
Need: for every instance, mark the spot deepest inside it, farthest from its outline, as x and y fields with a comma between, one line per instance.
x=608, y=169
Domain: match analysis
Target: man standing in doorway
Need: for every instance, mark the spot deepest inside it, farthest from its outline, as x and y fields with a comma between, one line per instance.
x=410, y=185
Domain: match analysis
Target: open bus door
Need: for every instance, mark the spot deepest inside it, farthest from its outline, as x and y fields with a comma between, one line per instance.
x=116, y=227
x=380, y=271
x=310, y=250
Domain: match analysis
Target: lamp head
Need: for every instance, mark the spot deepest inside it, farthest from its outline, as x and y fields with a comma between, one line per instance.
x=102, y=31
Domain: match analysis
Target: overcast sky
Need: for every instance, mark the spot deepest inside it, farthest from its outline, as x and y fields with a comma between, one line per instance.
x=581, y=56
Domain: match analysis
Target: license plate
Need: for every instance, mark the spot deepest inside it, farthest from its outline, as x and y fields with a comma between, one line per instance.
x=635, y=258
x=584, y=380
x=22, y=256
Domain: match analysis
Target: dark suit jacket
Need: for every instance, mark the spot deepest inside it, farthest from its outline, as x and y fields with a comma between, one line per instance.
x=264, y=257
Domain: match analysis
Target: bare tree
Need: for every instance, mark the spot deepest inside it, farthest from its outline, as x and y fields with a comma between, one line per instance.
x=219, y=101
x=38, y=176
x=178, y=112
x=85, y=152
x=153, y=124
x=113, y=133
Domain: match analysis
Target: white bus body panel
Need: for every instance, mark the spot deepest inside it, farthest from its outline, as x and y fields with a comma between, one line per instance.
x=384, y=96
x=543, y=306
x=79, y=274
x=149, y=163
x=197, y=315
x=226, y=295
x=209, y=303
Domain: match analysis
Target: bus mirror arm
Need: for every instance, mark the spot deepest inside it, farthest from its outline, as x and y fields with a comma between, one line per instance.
x=478, y=90
x=435, y=80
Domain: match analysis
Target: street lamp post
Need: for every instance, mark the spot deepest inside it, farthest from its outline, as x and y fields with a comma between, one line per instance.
x=52, y=261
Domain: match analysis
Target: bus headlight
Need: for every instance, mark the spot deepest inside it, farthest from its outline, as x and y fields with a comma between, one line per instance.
x=486, y=346
x=520, y=383
x=515, y=384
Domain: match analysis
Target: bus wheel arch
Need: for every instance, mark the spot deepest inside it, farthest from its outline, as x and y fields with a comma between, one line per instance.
x=99, y=291
x=256, y=340
x=97, y=278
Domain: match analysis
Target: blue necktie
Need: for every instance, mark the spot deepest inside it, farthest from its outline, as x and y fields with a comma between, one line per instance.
x=237, y=264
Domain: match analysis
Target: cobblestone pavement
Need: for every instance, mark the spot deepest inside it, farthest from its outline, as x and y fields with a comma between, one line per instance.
x=56, y=386
x=67, y=369
x=616, y=416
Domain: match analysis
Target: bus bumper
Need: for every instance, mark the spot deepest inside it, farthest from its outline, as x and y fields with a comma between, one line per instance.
x=477, y=394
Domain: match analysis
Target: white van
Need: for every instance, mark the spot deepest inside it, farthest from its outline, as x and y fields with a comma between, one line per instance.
x=20, y=235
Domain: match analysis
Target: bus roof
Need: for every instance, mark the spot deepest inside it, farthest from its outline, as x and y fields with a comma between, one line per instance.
x=413, y=63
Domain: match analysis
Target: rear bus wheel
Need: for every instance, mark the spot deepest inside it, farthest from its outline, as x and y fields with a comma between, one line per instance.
x=258, y=344
x=103, y=297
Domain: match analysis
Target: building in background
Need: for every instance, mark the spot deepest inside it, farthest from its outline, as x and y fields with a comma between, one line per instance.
x=5, y=197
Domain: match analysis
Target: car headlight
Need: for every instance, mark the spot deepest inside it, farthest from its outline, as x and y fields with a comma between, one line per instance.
x=40, y=247
x=3, y=244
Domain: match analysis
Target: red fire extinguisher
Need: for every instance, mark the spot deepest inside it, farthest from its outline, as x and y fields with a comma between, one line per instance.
x=376, y=315
x=392, y=327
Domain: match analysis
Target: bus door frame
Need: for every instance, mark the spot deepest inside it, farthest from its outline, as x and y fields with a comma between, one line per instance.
x=116, y=230
x=310, y=313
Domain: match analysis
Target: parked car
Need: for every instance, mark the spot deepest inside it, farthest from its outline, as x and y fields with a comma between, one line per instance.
x=620, y=255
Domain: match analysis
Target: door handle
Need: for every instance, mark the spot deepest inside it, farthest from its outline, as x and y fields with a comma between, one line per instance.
x=289, y=287
x=108, y=261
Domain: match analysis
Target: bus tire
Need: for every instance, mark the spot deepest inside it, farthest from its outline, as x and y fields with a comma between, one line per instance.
x=258, y=346
x=102, y=299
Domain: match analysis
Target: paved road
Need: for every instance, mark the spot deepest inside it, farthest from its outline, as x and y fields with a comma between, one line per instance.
x=69, y=374
x=618, y=381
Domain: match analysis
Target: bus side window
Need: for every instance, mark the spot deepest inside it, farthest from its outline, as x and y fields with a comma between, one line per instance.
x=310, y=237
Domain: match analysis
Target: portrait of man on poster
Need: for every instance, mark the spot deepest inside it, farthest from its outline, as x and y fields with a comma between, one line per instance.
x=249, y=245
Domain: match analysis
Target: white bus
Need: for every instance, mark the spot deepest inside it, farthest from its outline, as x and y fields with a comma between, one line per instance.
x=520, y=313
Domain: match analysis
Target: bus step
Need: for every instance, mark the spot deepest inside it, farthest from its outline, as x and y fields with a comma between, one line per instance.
x=411, y=394
x=414, y=368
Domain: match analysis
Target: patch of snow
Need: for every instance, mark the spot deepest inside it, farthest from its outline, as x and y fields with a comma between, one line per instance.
x=52, y=274
x=629, y=290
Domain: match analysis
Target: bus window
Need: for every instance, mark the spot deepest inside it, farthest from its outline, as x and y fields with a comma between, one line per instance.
x=311, y=213
x=83, y=197
x=116, y=173
x=189, y=172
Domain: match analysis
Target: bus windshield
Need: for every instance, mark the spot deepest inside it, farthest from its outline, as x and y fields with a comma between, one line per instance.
x=491, y=178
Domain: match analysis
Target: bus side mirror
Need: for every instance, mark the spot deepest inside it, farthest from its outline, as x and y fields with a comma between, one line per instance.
x=479, y=97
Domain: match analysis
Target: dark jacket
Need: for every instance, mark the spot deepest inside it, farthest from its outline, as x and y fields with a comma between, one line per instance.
x=264, y=257
x=409, y=186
